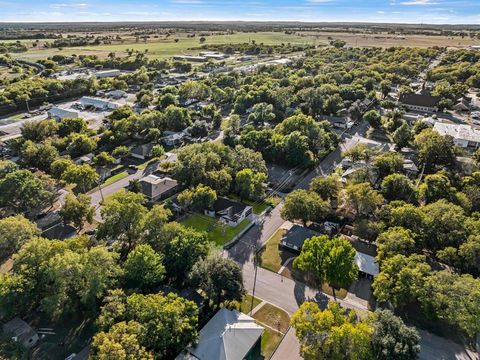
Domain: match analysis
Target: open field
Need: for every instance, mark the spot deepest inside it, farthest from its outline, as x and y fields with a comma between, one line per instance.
x=388, y=40
x=167, y=47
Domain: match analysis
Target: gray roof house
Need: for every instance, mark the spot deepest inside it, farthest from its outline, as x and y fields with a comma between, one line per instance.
x=420, y=102
x=294, y=238
x=229, y=335
x=97, y=103
x=158, y=188
x=21, y=332
x=142, y=151
x=60, y=114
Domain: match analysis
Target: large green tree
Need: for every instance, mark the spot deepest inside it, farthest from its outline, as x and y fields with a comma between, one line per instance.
x=143, y=268
x=14, y=232
x=331, y=260
x=304, y=205
x=77, y=210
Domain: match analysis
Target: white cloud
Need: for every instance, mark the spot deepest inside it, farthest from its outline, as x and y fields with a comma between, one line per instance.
x=419, y=2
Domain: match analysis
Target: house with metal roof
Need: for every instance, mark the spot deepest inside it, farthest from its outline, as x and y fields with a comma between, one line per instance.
x=60, y=114
x=463, y=135
x=229, y=335
x=97, y=103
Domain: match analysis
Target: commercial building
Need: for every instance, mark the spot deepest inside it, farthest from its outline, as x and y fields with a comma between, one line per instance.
x=60, y=114
x=463, y=135
x=97, y=103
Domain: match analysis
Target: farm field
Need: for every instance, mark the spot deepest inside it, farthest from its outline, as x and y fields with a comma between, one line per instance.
x=166, y=48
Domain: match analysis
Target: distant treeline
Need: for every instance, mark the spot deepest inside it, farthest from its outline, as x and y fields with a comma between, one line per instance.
x=254, y=48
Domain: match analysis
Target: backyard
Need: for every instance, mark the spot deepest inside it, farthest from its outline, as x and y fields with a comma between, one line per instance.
x=217, y=232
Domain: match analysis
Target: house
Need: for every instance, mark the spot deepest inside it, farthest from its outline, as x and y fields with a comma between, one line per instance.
x=410, y=169
x=21, y=332
x=420, y=102
x=190, y=58
x=59, y=231
x=294, y=238
x=229, y=335
x=142, y=152
x=462, y=105
x=117, y=94
x=230, y=212
x=463, y=135
x=158, y=188
x=97, y=103
x=60, y=114
x=173, y=138
x=107, y=73
x=365, y=254
x=85, y=159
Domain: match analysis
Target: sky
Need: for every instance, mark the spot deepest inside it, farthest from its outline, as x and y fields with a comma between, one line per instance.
x=397, y=11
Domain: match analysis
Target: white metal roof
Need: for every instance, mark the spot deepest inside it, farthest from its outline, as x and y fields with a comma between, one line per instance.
x=229, y=335
x=366, y=264
x=458, y=131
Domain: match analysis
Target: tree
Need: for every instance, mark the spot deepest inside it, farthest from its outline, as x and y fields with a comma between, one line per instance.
x=39, y=130
x=14, y=232
x=388, y=163
x=104, y=159
x=434, y=149
x=401, y=279
x=143, y=268
x=177, y=118
x=402, y=136
x=392, y=339
x=249, y=185
x=77, y=210
x=123, y=342
x=158, y=151
x=166, y=100
x=24, y=192
x=199, y=198
x=436, y=187
x=262, y=113
x=331, y=260
x=84, y=176
x=153, y=226
x=398, y=187
x=121, y=151
x=362, y=199
x=123, y=215
x=6, y=167
x=469, y=252
x=58, y=167
x=396, y=240
x=305, y=206
x=72, y=125
x=333, y=333
x=219, y=278
x=373, y=118
x=327, y=187
x=40, y=156
x=81, y=144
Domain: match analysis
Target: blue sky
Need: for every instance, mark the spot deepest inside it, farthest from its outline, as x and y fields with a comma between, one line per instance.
x=405, y=11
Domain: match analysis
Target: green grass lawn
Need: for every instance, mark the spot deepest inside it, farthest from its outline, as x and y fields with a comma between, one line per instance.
x=270, y=340
x=274, y=317
x=115, y=178
x=258, y=207
x=217, y=232
x=271, y=257
x=166, y=48
x=108, y=197
x=246, y=304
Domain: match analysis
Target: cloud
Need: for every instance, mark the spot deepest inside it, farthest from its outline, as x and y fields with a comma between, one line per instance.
x=70, y=5
x=187, y=2
x=419, y=2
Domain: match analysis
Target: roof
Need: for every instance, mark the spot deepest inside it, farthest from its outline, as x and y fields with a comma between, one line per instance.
x=228, y=208
x=297, y=235
x=59, y=231
x=366, y=264
x=229, y=335
x=62, y=113
x=425, y=100
x=91, y=101
x=458, y=131
x=143, y=149
x=19, y=329
x=154, y=186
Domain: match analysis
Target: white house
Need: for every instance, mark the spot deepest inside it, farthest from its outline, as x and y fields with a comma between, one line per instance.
x=231, y=212
x=60, y=114
x=97, y=103
x=463, y=135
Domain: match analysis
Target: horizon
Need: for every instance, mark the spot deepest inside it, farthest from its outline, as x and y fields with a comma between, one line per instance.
x=434, y=12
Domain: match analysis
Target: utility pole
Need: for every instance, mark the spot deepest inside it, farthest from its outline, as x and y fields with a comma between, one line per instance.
x=255, y=265
x=28, y=107
x=101, y=193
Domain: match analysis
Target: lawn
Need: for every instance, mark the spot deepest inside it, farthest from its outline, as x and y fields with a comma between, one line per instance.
x=270, y=340
x=258, y=207
x=246, y=304
x=274, y=317
x=217, y=232
x=166, y=48
x=271, y=257
x=115, y=178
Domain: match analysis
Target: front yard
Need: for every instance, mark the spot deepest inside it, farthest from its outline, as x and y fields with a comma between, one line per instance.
x=260, y=206
x=216, y=231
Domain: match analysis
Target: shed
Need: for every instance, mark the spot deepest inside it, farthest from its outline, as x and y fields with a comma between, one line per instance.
x=21, y=332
